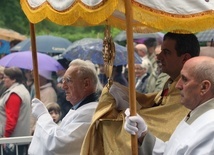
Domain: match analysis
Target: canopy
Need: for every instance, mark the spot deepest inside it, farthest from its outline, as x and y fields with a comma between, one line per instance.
x=182, y=16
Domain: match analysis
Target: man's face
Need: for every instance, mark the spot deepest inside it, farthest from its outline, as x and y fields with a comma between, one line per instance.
x=189, y=87
x=139, y=71
x=170, y=62
x=73, y=85
x=140, y=52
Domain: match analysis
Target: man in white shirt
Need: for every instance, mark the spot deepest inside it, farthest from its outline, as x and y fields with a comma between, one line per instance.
x=195, y=133
x=80, y=84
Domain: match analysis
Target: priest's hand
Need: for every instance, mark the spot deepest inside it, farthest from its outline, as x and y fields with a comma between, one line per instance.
x=135, y=124
x=38, y=108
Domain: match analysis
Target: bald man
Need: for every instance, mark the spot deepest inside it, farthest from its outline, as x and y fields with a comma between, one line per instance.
x=194, y=134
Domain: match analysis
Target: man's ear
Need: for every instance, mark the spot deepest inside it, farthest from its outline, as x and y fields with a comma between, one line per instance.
x=205, y=86
x=187, y=56
x=86, y=82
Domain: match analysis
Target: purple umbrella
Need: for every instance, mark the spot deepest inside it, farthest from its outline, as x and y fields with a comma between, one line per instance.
x=24, y=60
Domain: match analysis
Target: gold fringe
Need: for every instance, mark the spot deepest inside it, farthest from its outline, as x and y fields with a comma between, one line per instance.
x=155, y=20
x=164, y=21
x=71, y=16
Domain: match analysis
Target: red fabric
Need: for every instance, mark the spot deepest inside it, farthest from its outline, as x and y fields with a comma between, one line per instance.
x=12, y=109
x=165, y=92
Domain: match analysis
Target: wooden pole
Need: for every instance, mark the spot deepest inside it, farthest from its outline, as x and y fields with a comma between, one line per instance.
x=131, y=75
x=35, y=61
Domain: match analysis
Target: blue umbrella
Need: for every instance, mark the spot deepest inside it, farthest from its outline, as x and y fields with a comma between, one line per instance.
x=91, y=49
x=45, y=44
x=4, y=47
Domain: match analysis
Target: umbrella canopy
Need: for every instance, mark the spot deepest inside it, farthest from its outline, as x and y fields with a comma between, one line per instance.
x=4, y=47
x=45, y=44
x=122, y=36
x=183, y=15
x=91, y=49
x=9, y=35
x=205, y=36
x=24, y=60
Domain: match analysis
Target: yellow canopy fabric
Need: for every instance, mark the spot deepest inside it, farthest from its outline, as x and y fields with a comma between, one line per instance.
x=180, y=16
x=78, y=13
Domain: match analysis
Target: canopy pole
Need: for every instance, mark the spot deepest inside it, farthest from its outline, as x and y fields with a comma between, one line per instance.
x=131, y=75
x=35, y=60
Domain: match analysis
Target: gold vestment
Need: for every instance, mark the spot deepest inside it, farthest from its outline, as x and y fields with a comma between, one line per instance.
x=106, y=134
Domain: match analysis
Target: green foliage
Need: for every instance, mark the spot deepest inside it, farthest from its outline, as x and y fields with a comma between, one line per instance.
x=72, y=33
x=12, y=17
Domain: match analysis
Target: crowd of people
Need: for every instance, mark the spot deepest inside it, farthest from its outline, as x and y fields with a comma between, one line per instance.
x=174, y=87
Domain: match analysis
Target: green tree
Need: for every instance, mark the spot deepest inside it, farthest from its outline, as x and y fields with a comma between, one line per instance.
x=12, y=17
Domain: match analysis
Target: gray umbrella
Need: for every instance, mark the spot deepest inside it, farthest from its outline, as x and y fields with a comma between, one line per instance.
x=45, y=44
x=205, y=36
x=92, y=49
x=122, y=36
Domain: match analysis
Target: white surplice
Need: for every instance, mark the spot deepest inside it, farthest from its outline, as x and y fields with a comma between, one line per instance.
x=65, y=139
x=192, y=137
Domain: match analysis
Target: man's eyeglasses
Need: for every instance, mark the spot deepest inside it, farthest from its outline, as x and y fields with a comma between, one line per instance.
x=66, y=80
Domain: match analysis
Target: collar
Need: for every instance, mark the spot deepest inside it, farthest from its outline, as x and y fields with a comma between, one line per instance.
x=202, y=106
x=140, y=78
x=90, y=98
x=201, y=109
x=76, y=105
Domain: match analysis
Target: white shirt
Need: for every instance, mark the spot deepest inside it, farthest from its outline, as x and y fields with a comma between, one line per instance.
x=138, y=81
x=194, y=137
x=65, y=139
